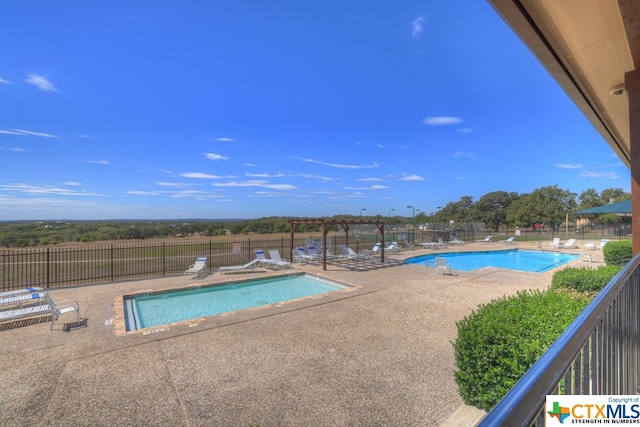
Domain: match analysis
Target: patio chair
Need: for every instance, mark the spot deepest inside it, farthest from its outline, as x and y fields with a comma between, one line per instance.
x=376, y=248
x=555, y=242
x=485, y=240
x=441, y=242
x=348, y=253
x=22, y=291
x=508, y=241
x=197, y=268
x=248, y=267
x=304, y=255
x=22, y=299
x=439, y=263
x=275, y=256
x=262, y=259
x=55, y=309
x=571, y=243
x=407, y=244
x=602, y=243
x=393, y=247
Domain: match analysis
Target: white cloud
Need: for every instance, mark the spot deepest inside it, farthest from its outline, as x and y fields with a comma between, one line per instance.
x=98, y=162
x=369, y=179
x=22, y=132
x=459, y=154
x=441, y=121
x=174, y=184
x=13, y=149
x=5, y=82
x=256, y=183
x=417, y=27
x=225, y=140
x=412, y=177
x=40, y=82
x=373, y=187
x=568, y=166
x=288, y=175
x=379, y=146
x=336, y=165
x=250, y=165
x=606, y=175
x=43, y=189
x=200, y=175
x=72, y=183
x=84, y=136
x=213, y=156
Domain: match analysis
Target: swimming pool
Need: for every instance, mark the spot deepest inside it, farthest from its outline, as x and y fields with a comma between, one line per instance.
x=513, y=259
x=162, y=308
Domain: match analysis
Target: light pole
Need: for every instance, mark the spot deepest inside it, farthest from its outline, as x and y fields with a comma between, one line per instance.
x=413, y=222
x=389, y=221
x=363, y=209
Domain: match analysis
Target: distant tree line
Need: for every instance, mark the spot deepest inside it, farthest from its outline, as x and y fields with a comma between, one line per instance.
x=499, y=209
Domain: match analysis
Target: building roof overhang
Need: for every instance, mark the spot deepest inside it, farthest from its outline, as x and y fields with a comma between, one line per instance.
x=588, y=47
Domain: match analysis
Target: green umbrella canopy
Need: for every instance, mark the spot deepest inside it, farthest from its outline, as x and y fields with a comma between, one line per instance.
x=623, y=207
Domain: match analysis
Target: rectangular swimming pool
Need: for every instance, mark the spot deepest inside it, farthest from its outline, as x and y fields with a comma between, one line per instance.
x=513, y=259
x=166, y=307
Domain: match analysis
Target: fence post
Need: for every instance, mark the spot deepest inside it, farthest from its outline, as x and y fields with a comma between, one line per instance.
x=48, y=267
x=164, y=270
x=112, y=261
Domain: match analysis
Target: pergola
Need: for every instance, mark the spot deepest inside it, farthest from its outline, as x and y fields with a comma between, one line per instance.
x=327, y=224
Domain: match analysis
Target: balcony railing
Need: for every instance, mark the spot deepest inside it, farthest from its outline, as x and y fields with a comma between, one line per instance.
x=596, y=355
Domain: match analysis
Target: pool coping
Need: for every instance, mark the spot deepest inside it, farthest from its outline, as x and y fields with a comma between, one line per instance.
x=119, y=318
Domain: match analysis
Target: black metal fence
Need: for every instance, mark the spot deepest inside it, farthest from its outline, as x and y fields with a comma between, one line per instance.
x=59, y=266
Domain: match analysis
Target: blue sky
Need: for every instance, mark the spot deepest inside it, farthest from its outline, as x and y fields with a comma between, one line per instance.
x=245, y=109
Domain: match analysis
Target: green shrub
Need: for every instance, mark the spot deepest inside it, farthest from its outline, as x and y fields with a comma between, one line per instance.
x=584, y=279
x=498, y=342
x=618, y=252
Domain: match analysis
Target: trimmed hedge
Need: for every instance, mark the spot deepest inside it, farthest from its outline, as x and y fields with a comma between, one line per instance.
x=501, y=340
x=584, y=279
x=618, y=252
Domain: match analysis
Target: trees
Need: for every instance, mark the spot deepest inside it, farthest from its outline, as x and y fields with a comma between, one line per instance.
x=492, y=208
x=545, y=205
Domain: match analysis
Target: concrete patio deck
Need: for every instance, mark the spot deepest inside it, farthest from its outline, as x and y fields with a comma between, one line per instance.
x=380, y=355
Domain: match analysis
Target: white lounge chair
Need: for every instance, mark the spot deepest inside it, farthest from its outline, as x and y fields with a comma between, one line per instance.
x=407, y=244
x=508, y=241
x=347, y=252
x=55, y=309
x=19, y=291
x=262, y=259
x=571, y=243
x=21, y=299
x=485, y=240
x=376, y=248
x=456, y=242
x=248, y=267
x=602, y=243
x=197, y=268
x=590, y=246
x=313, y=253
x=440, y=263
x=393, y=247
x=441, y=242
x=275, y=256
x=305, y=256
x=555, y=242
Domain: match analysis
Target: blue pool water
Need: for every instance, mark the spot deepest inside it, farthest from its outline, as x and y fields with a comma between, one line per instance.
x=162, y=308
x=514, y=259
